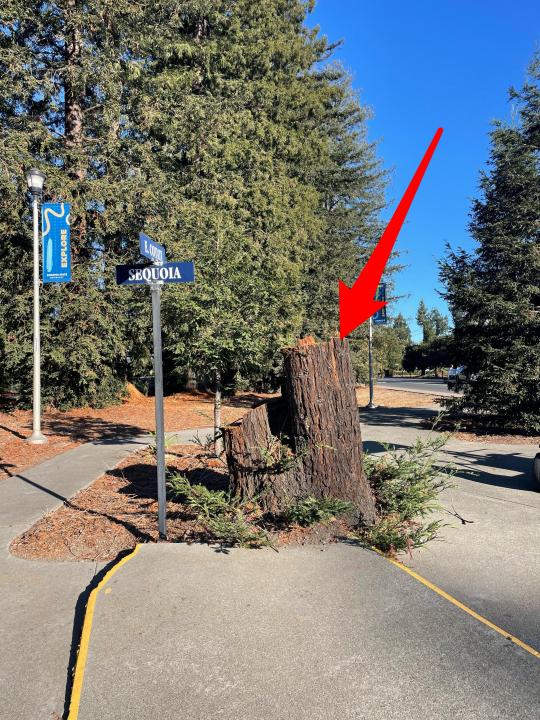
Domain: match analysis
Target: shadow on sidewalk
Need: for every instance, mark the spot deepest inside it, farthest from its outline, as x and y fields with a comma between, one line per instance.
x=417, y=417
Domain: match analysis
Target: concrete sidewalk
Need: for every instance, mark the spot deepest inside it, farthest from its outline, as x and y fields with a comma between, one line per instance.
x=41, y=602
x=300, y=634
x=492, y=561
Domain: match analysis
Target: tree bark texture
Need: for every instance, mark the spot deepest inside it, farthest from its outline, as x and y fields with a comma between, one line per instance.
x=308, y=441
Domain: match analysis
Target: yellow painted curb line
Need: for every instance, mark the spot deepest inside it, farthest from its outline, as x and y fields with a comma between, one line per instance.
x=460, y=605
x=82, y=655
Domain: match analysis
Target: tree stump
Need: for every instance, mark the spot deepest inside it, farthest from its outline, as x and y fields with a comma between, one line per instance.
x=308, y=441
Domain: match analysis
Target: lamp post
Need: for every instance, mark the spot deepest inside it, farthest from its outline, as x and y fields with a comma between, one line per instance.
x=36, y=180
x=371, y=405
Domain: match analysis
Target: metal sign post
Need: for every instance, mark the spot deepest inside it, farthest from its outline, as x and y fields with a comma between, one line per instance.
x=158, y=396
x=371, y=405
x=379, y=319
x=156, y=275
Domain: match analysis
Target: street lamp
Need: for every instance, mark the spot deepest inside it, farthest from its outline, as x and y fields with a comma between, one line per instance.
x=36, y=180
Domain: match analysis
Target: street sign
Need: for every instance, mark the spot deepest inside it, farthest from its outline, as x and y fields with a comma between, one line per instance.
x=56, y=241
x=151, y=250
x=380, y=316
x=173, y=272
x=156, y=275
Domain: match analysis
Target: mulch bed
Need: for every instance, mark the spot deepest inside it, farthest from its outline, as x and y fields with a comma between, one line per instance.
x=66, y=430
x=120, y=509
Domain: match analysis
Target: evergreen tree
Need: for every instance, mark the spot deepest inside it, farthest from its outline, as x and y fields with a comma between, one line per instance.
x=439, y=322
x=61, y=108
x=211, y=126
x=401, y=326
x=350, y=181
x=425, y=320
x=493, y=292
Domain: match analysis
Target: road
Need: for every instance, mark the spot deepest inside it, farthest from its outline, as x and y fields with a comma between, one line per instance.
x=436, y=386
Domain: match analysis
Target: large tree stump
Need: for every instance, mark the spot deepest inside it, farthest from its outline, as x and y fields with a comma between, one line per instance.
x=308, y=442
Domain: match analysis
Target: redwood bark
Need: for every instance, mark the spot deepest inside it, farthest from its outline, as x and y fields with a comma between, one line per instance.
x=308, y=442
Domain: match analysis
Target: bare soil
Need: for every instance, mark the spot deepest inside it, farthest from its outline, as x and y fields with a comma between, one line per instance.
x=66, y=430
x=119, y=509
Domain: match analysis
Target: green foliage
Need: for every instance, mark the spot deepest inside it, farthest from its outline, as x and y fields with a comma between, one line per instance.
x=236, y=530
x=278, y=456
x=493, y=291
x=407, y=484
x=225, y=518
x=433, y=323
x=220, y=130
x=437, y=353
x=391, y=534
x=317, y=510
x=170, y=440
x=205, y=502
x=389, y=343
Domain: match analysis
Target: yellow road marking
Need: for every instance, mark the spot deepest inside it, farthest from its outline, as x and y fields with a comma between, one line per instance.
x=461, y=606
x=82, y=655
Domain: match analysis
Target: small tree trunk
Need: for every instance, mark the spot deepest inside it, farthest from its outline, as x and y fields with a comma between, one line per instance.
x=218, y=441
x=308, y=442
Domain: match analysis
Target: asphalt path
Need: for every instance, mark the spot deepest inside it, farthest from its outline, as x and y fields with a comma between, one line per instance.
x=491, y=564
x=436, y=386
x=308, y=633
x=488, y=552
x=42, y=603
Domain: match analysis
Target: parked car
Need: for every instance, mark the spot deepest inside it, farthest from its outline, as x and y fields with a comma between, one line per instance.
x=456, y=377
x=459, y=376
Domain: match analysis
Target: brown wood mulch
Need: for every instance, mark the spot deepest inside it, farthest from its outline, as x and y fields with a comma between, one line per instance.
x=120, y=509
x=66, y=430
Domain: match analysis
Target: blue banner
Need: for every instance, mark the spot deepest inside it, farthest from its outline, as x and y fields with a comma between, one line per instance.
x=380, y=316
x=56, y=247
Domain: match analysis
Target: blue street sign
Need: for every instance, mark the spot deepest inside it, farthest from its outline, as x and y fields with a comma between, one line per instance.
x=56, y=247
x=380, y=316
x=151, y=250
x=173, y=272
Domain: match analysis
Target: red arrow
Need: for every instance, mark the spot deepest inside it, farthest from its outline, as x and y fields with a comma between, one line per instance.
x=357, y=304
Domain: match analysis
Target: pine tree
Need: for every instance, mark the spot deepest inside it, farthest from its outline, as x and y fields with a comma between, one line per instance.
x=210, y=126
x=351, y=184
x=493, y=292
x=401, y=326
x=425, y=321
x=61, y=108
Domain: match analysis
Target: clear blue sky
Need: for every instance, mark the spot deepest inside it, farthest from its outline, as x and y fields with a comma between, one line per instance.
x=426, y=64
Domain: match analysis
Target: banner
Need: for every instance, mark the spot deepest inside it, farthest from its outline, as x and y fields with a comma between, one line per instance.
x=56, y=248
x=380, y=316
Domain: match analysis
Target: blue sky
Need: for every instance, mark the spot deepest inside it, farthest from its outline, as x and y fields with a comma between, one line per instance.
x=421, y=65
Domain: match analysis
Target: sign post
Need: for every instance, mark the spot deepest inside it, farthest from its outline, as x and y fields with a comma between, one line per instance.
x=378, y=319
x=156, y=275
x=158, y=395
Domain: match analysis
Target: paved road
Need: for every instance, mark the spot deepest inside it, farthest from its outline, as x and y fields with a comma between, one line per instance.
x=303, y=634
x=421, y=385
